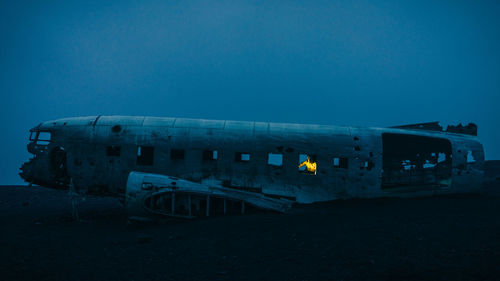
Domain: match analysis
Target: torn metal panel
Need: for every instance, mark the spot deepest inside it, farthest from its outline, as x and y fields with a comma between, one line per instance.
x=98, y=153
x=469, y=129
x=416, y=161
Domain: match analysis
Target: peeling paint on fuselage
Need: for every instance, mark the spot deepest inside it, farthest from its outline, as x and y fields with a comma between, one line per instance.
x=85, y=141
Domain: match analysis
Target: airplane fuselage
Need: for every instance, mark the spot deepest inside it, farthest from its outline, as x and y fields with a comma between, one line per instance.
x=97, y=154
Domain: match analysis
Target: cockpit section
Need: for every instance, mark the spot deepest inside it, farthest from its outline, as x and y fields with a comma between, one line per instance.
x=38, y=141
x=48, y=166
x=41, y=137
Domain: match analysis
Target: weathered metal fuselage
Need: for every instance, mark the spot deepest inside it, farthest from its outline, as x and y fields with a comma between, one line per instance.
x=98, y=153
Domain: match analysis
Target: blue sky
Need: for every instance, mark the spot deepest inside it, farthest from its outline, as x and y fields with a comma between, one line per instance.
x=362, y=63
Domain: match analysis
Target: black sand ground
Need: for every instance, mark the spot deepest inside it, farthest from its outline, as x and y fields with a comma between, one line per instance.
x=436, y=238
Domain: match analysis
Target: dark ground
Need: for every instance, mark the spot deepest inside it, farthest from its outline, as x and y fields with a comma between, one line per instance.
x=434, y=238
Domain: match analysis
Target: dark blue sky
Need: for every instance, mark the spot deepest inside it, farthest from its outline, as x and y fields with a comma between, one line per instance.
x=367, y=63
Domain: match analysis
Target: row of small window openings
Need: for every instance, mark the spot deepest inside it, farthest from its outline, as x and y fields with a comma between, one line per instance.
x=145, y=156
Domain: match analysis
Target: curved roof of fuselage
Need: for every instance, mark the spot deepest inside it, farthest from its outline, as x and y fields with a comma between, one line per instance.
x=168, y=122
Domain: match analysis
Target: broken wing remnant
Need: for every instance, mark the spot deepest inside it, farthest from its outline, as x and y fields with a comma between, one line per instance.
x=251, y=162
x=149, y=194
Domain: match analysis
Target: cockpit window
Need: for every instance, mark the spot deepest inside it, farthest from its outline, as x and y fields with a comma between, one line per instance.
x=41, y=138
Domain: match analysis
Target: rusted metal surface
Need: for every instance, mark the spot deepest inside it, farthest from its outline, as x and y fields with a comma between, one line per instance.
x=99, y=152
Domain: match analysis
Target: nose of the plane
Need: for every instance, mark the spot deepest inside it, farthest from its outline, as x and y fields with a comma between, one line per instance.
x=26, y=171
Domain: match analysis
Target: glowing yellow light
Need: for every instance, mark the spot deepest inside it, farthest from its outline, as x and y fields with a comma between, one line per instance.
x=311, y=166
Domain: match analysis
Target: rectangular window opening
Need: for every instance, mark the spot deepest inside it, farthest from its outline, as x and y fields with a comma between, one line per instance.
x=210, y=155
x=340, y=162
x=113, y=150
x=43, y=138
x=307, y=164
x=145, y=155
x=275, y=159
x=177, y=154
x=242, y=157
x=470, y=157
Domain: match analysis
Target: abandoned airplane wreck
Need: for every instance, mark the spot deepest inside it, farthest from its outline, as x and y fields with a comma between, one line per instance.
x=190, y=168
